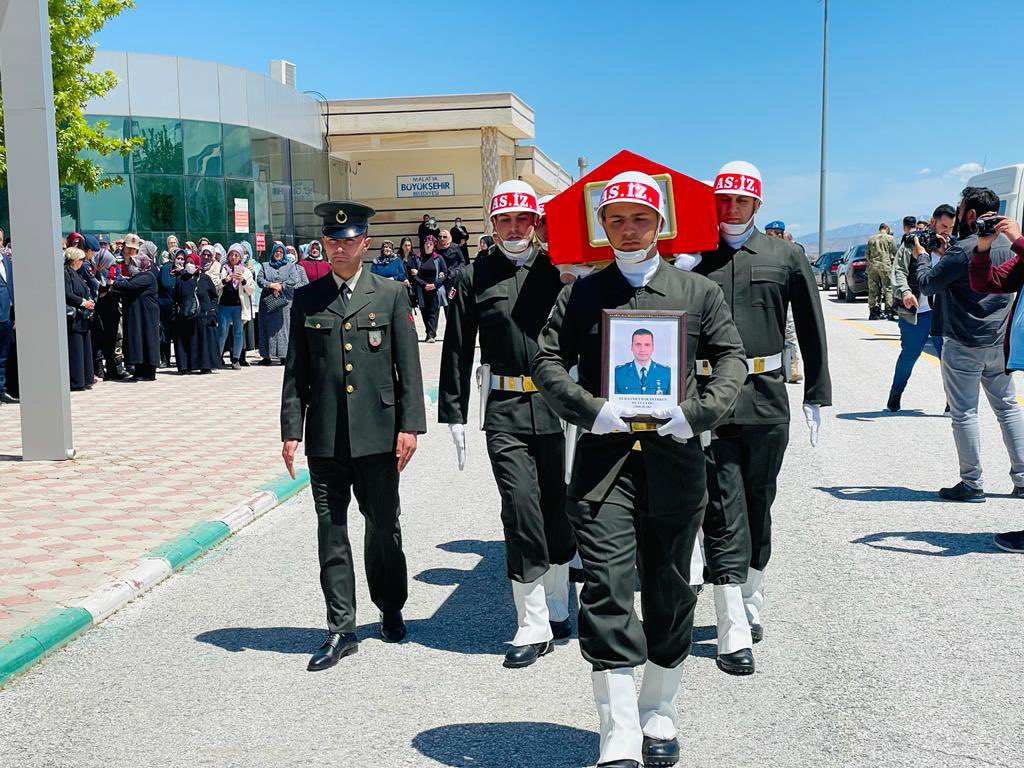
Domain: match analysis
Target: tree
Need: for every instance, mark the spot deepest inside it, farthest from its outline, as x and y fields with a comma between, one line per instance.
x=72, y=25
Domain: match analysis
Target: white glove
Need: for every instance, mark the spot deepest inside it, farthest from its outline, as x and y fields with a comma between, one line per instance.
x=812, y=415
x=677, y=425
x=687, y=261
x=459, y=437
x=610, y=419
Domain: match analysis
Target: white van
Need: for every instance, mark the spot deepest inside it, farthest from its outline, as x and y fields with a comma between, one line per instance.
x=1008, y=183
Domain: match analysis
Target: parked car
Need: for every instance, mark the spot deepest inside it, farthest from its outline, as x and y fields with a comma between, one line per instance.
x=852, y=274
x=825, y=269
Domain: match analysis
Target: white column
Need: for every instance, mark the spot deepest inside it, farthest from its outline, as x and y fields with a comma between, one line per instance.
x=31, y=140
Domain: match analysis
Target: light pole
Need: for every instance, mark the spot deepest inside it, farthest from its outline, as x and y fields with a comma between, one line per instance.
x=824, y=121
x=581, y=163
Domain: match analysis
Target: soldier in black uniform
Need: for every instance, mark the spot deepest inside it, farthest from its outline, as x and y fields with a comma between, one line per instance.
x=352, y=378
x=761, y=278
x=636, y=497
x=506, y=295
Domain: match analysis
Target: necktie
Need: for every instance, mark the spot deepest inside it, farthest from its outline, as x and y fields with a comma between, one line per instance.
x=643, y=379
x=345, y=293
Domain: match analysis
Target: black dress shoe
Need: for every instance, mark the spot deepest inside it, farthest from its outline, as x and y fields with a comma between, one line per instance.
x=894, y=402
x=562, y=630
x=118, y=376
x=962, y=492
x=660, y=752
x=756, y=633
x=739, y=663
x=392, y=627
x=337, y=646
x=575, y=575
x=519, y=656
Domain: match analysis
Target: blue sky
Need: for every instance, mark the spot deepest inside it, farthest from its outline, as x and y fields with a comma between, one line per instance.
x=689, y=83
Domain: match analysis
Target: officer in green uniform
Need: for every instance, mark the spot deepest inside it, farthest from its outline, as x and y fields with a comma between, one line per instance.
x=505, y=296
x=761, y=278
x=636, y=497
x=880, y=253
x=352, y=379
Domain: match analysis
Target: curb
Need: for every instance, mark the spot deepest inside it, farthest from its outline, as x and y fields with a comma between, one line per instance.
x=64, y=625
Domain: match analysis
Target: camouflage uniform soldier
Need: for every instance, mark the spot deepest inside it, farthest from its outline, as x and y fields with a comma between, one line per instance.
x=880, y=254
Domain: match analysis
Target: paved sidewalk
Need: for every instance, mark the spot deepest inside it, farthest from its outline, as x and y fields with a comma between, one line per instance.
x=152, y=461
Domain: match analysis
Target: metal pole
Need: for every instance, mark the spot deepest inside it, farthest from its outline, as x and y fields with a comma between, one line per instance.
x=824, y=121
x=31, y=138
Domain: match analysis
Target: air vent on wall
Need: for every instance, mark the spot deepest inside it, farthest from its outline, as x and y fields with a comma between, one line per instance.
x=283, y=72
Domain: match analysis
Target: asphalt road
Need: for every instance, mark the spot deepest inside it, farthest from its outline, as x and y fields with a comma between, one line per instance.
x=893, y=629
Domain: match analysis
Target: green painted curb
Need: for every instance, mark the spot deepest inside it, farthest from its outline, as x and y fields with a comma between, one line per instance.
x=196, y=541
x=41, y=639
x=284, y=487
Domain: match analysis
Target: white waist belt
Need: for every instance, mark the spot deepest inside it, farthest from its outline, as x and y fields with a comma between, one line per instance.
x=512, y=383
x=754, y=365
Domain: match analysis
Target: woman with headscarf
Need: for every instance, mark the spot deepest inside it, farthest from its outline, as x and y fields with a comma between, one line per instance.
x=210, y=265
x=483, y=245
x=195, y=319
x=80, y=307
x=166, y=279
x=315, y=265
x=429, y=281
x=409, y=262
x=388, y=265
x=249, y=326
x=279, y=278
x=141, y=316
x=149, y=248
x=235, y=302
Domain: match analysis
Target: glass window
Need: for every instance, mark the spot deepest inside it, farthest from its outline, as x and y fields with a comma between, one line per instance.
x=106, y=210
x=310, y=186
x=270, y=158
x=237, y=152
x=280, y=211
x=261, y=212
x=242, y=190
x=162, y=149
x=69, y=206
x=205, y=205
x=202, y=148
x=161, y=203
x=115, y=128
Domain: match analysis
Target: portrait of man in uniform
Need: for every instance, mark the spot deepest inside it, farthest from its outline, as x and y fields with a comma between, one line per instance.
x=642, y=375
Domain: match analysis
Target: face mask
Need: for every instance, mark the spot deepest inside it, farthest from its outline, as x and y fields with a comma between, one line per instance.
x=191, y=268
x=735, y=229
x=289, y=257
x=515, y=249
x=432, y=223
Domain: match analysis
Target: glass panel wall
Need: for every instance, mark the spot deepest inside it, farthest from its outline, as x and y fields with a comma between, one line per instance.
x=110, y=211
x=163, y=147
x=310, y=187
x=202, y=148
x=161, y=202
x=238, y=152
x=204, y=202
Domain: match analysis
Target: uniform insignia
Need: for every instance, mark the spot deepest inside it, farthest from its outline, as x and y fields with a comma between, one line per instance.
x=341, y=217
x=375, y=338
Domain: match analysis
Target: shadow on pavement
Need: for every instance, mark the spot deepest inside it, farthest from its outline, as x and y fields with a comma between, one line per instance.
x=508, y=745
x=878, y=493
x=701, y=647
x=939, y=543
x=477, y=617
x=869, y=415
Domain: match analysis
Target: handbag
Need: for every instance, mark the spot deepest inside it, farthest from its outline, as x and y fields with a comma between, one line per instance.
x=274, y=303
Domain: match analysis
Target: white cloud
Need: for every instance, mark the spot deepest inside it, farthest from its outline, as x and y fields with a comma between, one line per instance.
x=924, y=171
x=964, y=171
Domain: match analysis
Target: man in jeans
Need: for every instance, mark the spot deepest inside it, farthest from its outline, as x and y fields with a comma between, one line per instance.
x=920, y=320
x=973, y=325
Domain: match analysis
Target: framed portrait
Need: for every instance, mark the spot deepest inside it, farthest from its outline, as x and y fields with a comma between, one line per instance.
x=592, y=194
x=643, y=359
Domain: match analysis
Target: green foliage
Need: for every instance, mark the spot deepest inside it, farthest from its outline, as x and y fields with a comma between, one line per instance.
x=72, y=25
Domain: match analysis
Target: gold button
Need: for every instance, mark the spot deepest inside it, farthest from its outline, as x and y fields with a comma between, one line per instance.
x=318, y=325
x=348, y=366
x=348, y=346
x=350, y=389
x=348, y=326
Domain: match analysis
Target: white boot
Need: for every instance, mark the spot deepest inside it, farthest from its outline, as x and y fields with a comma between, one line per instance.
x=733, y=629
x=531, y=613
x=556, y=592
x=657, y=702
x=697, y=561
x=621, y=736
x=753, y=596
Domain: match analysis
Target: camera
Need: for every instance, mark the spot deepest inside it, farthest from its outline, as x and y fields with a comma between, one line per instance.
x=928, y=238
x=985, y=226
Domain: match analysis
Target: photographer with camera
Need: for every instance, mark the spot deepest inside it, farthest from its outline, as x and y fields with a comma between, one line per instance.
x=973, y=325
x=1007, y=277
x=919, y=319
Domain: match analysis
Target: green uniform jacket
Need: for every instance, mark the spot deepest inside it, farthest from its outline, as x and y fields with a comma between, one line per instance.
x=675, y=471
x=761, y=282
x=354, y=368
x=881, y=249
x=507, y=306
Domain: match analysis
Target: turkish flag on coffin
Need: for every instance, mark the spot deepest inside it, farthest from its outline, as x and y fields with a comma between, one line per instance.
x=575, y=235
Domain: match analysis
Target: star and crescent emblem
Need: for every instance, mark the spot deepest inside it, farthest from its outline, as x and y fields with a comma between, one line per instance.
x=341, y=217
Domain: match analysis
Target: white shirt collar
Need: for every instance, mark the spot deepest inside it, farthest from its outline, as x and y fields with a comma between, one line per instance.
x=351, y=282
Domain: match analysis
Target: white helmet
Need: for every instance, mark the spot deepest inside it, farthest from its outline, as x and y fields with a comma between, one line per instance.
x=632, y=187
x=513, y=197
x=542, y=202
x=738, y=177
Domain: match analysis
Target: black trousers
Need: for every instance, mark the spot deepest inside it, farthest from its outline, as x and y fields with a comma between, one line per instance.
x=108, y=310
x=616, y=538
x=726, y=531
x=529, y=471
x=374, y=479
x=80, y=358
x=431, y=309
x=747, y=461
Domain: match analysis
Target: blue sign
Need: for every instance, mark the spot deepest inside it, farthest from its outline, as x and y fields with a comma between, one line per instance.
x=427, y=185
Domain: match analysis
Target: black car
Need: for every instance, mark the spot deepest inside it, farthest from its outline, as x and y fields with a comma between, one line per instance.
x=852, y=274
x=825, y=268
